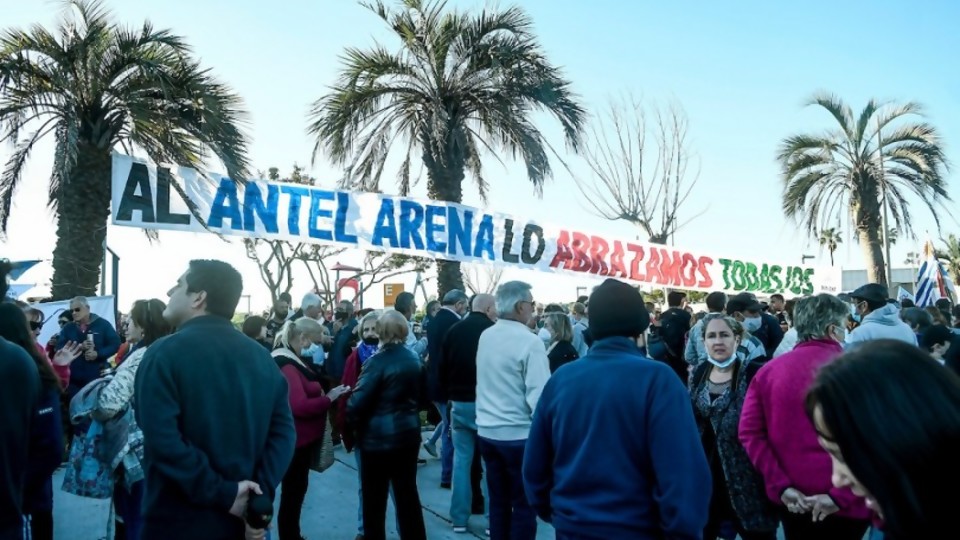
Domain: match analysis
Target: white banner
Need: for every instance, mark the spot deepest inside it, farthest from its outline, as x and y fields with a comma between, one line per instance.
x=102, y=306
x=144, y=196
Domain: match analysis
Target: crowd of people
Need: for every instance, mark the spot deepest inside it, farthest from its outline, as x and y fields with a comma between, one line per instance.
x=827, y=416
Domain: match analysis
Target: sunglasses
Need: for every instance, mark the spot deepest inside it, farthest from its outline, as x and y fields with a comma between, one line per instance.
x=77, y=309
x=36, y=325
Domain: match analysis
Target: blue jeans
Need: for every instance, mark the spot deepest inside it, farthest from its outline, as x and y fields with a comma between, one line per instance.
x=463, y=420
x=511, y=516
x=446, y=450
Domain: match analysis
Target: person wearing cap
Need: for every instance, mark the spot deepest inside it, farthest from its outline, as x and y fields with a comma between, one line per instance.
x=651, y=479
x=878, y=319
x=742, y=307
x=760, y=324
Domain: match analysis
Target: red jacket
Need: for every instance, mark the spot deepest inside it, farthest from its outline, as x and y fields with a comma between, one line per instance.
x=351, y=374
x=63, y=372
x=779, y=437
x=308, y=403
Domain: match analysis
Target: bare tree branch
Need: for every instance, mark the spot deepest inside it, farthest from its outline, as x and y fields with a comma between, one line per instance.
x=481, y=278
x=625, y=184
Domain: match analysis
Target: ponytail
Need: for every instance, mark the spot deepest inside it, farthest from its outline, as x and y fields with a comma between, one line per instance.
x=287, y=334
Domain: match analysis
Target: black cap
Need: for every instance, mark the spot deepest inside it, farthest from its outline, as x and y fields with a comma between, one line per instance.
x=874, y=293
x=743, y=302
x=616, y=309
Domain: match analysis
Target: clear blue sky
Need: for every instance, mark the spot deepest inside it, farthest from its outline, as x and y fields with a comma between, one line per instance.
x=740, y=69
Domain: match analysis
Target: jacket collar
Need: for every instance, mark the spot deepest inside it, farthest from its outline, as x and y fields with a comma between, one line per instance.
x=820, y=343
x=206, y=320
x=615, y=344
x=283, y=352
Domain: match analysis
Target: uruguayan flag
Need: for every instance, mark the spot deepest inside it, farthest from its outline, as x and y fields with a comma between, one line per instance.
x=932, y=280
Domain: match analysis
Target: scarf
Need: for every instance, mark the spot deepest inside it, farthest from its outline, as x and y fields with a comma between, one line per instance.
x=365, y=351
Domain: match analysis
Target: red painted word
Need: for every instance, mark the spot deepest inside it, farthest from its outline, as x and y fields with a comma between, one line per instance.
x=655, y=265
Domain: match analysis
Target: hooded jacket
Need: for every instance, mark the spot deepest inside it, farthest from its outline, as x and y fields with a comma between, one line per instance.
x=883, y=323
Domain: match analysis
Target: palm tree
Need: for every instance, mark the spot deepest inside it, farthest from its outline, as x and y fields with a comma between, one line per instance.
x=830, y=238
x=846, y=169
x=950, y=256
x=460, y=84
x=96, y=86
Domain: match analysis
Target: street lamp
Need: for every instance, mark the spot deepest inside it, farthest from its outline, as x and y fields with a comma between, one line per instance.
x=803, y=258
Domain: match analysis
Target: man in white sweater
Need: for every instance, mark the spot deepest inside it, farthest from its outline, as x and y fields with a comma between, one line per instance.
x=512, y=369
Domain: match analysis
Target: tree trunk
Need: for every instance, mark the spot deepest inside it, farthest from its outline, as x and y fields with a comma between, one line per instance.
x=83, y=210
x=831, y=258
x=445, y=183
x=873, y=253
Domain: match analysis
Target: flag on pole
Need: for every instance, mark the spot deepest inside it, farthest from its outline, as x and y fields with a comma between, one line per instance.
x=933, y=283
x=903, y=294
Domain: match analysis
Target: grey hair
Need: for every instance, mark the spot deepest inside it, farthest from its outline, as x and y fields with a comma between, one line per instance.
x=310, y=300
x=812, y=316
x=454, y=297
x=82, y=300
x=734, y=325
x=510, y=294
x=372, y=316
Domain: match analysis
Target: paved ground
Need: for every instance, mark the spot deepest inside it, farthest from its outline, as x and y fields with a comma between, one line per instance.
x=330, y=511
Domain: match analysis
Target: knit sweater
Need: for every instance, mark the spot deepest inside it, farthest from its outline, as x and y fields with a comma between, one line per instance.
x=779, y=437
x=512, y=369
x=613, y=450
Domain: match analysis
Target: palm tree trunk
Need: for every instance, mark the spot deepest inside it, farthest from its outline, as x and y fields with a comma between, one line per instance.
x=873, y=253
x=83, y=210
x=445, y=183
x=831, y=258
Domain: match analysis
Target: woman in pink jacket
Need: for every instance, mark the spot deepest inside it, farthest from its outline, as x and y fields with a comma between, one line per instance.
x=782, y=442
x=309, y=405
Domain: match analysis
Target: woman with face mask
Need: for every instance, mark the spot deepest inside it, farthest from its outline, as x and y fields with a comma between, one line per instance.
x=367, y=346
x=781, y=440
x=309, y=405
x=717, y=388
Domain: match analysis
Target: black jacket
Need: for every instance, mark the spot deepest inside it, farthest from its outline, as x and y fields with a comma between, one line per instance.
x=441, y=323
x=458, y=360
x=18, y=404
x=343, y=344
x=770, y=333
x=213, y=408
x=384, y=407
x=561, y=354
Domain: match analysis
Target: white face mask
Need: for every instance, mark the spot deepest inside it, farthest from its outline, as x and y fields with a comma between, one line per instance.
x=752, y=324
x=723, y=363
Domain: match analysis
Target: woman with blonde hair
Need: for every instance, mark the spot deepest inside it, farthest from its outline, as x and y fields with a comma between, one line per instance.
x=561, y=349
x=384, y=412
x=309, y=405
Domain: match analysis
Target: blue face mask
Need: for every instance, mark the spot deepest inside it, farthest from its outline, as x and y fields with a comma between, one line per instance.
x=723, y=363
x=752, y=324
x=854, y=313
x=310, y=351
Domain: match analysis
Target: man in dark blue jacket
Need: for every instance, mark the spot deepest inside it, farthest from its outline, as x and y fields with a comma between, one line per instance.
x=99, y=339
x=213, y=408
x=613, y=450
